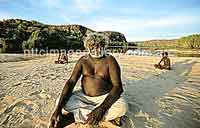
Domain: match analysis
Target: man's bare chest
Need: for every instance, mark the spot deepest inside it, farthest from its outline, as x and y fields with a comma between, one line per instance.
x=97, y=69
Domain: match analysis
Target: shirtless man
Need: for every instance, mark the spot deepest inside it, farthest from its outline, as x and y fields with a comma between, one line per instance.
x=62, y=59
x=166, y=62
x=101, y=87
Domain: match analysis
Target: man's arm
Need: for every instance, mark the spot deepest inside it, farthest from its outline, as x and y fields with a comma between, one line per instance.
x=66, y=93
x=69, y=86
x=161, y=61
x=116, y=91
x=115, y=75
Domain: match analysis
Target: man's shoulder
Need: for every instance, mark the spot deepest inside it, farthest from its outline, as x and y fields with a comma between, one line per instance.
x=83, y=58
x=110, y=58
x=168, y=58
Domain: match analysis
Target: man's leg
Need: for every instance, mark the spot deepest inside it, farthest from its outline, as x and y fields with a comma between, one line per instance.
x=158, y=66
x=67, y=117
x=67, y=120
x=76, y=109
x=166, y=67
x=118, y=109
x=79, y=106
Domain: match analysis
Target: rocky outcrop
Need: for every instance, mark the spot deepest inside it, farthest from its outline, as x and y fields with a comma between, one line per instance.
x=72, y=28
x=53, y=39
x=115, y=36
x=17, y=35
x=14, y=31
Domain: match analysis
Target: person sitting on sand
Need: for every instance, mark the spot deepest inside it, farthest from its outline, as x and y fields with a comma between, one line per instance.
x=165, y=59
x=62, y=59
x=100, y=97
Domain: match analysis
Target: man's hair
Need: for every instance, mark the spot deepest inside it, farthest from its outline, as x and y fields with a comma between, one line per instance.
x=96, y=39
x=166, y=53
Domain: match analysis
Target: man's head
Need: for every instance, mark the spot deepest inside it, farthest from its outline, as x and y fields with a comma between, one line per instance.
x=96, y=44
x=165, y=54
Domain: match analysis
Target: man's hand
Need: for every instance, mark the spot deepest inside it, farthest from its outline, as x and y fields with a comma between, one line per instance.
x=95, y=116
x=55, y=120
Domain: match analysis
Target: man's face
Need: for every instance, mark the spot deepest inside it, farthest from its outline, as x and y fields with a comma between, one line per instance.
x=97, y=52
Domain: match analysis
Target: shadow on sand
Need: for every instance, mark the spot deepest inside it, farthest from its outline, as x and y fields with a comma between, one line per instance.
x=142, y=94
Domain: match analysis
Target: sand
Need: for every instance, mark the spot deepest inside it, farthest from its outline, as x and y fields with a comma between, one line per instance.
x=156, y=98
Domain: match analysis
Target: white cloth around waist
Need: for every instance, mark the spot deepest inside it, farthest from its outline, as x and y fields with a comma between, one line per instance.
x=81, y=105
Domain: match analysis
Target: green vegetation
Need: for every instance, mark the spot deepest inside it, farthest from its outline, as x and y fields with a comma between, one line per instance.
x=187, y=54
x=117, y=43
x=47, y=38
x=188, y=42
x=167, y=44
x=192, y=41
x=16, y=35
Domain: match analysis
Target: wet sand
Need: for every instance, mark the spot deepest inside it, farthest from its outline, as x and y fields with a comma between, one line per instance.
x=156, y=98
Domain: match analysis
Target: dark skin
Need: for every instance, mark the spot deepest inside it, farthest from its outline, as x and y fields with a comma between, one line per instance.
x=62, y=59
x=166, y=62
x=99, y=76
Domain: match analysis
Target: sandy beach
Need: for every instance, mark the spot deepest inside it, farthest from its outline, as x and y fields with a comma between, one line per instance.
x=156, y=98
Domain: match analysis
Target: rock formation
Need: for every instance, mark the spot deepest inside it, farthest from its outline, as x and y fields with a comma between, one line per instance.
x=17, y=35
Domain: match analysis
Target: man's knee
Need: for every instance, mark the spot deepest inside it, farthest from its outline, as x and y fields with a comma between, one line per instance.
x=123, y=107
x=118, y=109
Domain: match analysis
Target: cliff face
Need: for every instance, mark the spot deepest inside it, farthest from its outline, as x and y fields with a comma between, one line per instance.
x=17, y=35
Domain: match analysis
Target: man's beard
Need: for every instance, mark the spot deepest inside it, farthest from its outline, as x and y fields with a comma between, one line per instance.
x=96, y=54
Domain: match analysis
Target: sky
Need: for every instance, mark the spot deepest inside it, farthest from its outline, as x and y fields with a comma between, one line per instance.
x=138, y=20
